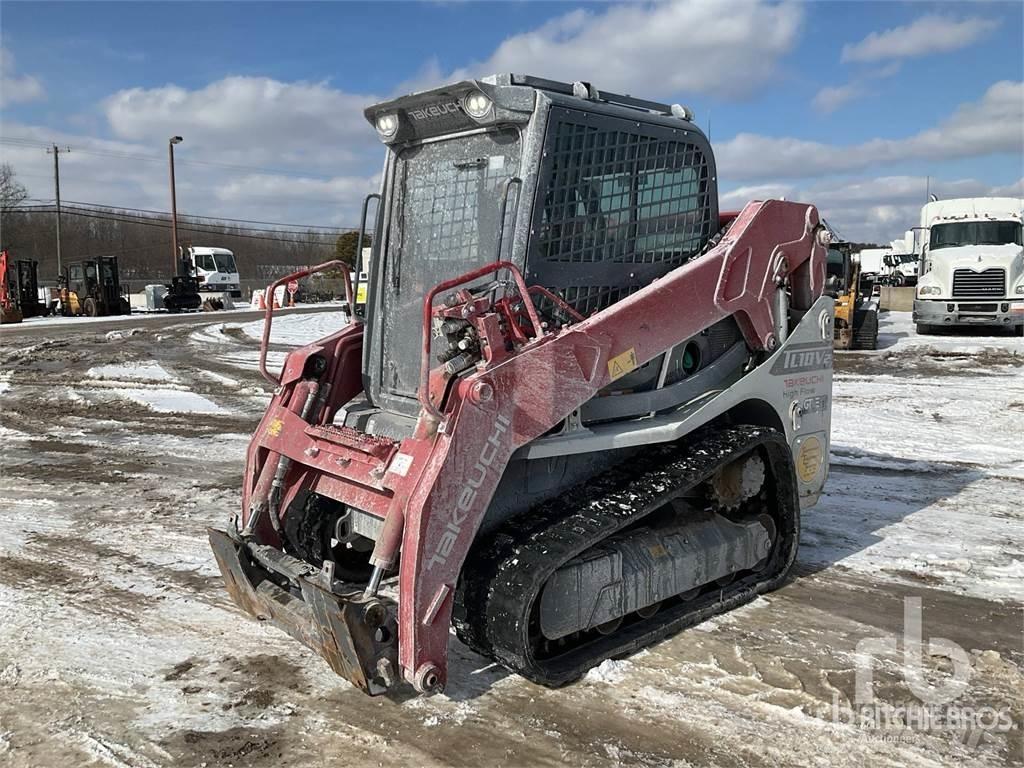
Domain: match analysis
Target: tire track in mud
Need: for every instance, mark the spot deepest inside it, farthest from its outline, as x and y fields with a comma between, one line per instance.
x=121, y=572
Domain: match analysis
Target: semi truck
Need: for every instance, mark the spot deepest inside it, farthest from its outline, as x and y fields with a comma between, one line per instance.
x=215, y=269
x=889, y=266
x=972, y=264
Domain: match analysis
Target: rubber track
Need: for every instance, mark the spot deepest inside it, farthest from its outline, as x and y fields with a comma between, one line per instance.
x=865, y=335
x=505, y=573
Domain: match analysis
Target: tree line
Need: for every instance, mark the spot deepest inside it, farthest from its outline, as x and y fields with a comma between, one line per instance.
x=142, y=240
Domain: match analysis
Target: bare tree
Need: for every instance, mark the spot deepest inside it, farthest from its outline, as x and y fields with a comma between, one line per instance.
x=12, y=191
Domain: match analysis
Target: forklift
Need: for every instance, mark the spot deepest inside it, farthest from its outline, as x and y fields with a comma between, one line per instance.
x=856, y=319
x=27, y=273
x=92, y=287
x=19, y=289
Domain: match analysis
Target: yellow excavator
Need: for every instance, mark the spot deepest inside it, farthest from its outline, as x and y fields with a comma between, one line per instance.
x=856, y=323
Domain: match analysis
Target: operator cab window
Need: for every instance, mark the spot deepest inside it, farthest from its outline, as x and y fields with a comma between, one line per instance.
x=618, y=205
x=223, y=262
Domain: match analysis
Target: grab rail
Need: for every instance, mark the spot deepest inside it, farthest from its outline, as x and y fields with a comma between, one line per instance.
x=269, y=298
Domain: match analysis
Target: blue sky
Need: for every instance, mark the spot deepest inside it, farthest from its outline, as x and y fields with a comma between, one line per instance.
x=846, y=104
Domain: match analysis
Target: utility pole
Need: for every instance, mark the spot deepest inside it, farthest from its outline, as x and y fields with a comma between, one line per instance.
x=55, y=151
x=174, y=207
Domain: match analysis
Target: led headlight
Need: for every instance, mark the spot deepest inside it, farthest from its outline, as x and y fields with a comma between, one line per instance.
x=387, y=125
x=929, y=290
x=1019, y=289
x=476, y=104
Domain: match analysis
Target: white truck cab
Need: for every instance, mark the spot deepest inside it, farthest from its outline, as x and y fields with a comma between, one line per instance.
x=972, y=264
x=216, y=269
x=888, y=266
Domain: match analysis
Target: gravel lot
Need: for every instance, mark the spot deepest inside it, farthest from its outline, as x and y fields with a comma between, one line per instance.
x=123, y=441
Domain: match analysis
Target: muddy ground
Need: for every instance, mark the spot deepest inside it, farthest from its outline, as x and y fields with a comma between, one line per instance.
x=119, y=647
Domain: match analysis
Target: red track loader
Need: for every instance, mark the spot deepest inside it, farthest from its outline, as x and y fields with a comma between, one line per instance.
x=581, y=411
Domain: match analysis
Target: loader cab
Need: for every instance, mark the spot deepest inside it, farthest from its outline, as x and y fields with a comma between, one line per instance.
x=838, y=269
x=592, y=195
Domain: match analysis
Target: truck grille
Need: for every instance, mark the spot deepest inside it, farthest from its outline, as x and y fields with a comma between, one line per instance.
x=991, y=282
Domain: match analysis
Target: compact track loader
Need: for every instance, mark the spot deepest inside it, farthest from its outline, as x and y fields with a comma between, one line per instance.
x=581, y=411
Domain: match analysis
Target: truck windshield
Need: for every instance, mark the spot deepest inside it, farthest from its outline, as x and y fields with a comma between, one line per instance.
x=225, y=262
x=975, y=233
x=444, y=213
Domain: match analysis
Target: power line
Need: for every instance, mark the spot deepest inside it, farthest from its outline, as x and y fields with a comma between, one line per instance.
x=214, y=218
x=186, y=227
x=257, y=170
x=209, y=226
x=206, y=226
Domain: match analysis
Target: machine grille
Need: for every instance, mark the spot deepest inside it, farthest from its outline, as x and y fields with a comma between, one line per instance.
x=990, y=282
x=620, y=204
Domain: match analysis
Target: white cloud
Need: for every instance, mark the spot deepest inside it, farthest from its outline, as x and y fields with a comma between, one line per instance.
x=926, y=35
x=133, y=174
x=832, y=97
x=254, y=148
x=874, y=209
x=692, y=46
x=15, y=89
x=1016, y=189
x=249, y=120
x=992, y=125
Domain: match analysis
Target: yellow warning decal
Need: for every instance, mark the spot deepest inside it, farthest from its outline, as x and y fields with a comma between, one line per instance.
x=808, y=460
x=622, y=364
x=274, y=428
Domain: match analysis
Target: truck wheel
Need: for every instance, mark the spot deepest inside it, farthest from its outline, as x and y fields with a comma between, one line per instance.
x=90, y=308
x=925, y=330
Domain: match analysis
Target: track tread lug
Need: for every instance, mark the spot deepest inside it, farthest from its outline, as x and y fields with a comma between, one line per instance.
x=505, y=574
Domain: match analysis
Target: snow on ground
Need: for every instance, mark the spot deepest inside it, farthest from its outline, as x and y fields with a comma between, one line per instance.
x=965, y=419
x=119, y=646
x=170, y=400
x=897, y=333
x=298, y=330
x=131, y=371
x=924, y=445
x=233, y=342
x=136, y=316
